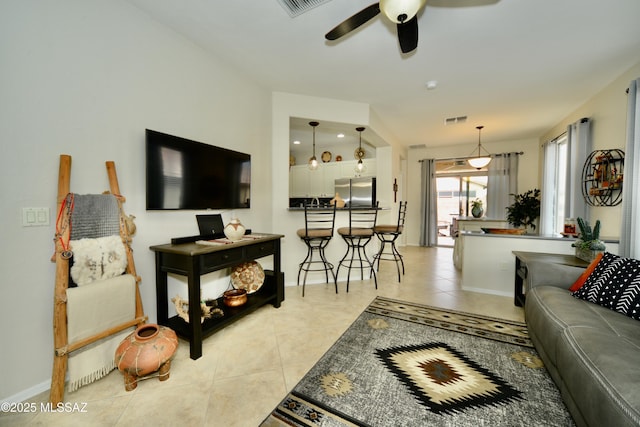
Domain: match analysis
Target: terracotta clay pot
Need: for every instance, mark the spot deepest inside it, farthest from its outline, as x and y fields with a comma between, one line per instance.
x=146, y=350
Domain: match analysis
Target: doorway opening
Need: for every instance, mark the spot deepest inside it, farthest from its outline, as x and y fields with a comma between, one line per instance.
x=457, y=184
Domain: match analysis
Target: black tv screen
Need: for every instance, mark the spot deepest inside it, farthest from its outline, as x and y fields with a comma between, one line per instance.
x=185, y=174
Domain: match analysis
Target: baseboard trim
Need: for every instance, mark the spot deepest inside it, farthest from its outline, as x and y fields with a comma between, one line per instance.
x=29, y=393
x=488, y=291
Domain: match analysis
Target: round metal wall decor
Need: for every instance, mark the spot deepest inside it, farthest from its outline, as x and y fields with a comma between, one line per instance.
x=603, y=177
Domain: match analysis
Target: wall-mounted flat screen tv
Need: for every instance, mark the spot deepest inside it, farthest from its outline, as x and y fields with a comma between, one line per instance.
x=185, y=174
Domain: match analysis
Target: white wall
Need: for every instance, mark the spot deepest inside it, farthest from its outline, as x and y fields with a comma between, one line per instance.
x=527, y=172
x=608, y=112
x=86, y=79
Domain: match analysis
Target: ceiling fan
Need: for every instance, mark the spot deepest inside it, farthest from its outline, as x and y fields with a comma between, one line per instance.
x=402, y=12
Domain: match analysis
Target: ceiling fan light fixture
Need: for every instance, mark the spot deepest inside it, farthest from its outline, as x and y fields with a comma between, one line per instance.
x=399, y=11
x=479, y=161
x=313, y=161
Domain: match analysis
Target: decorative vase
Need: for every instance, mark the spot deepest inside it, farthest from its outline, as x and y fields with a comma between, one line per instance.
x=338, y=201
x=533, y=229
x=147, y=349
x=234, y=230
x=477, y=211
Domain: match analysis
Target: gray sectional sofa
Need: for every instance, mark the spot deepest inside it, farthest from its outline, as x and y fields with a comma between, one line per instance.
x=591, y=352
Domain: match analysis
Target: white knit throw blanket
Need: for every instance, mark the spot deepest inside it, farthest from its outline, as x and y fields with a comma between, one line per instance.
x=97, y=259
x=92, y=309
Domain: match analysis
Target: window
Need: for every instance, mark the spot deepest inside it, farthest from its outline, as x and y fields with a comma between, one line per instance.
x=555, y=194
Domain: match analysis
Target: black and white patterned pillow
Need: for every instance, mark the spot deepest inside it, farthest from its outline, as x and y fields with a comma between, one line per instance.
x=615, y=284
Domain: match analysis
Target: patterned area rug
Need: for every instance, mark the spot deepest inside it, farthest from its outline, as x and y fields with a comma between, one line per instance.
x=406, y=364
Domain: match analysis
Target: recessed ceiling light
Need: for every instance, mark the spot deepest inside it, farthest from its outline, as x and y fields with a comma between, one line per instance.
x=341, y=135
x=296, y=142
x=432, y=84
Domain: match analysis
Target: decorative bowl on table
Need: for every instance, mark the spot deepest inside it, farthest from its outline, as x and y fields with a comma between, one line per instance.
x=234, y=297
x=248, y=276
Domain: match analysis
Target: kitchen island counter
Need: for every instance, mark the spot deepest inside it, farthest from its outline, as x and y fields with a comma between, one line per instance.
x=488, y=263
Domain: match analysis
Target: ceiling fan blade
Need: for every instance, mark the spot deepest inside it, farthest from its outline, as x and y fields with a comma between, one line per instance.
x=354, y=22
x=408, y=35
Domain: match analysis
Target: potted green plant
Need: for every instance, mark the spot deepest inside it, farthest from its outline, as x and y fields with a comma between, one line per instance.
x=477, y=209
x=588, y=244
x=525, y=209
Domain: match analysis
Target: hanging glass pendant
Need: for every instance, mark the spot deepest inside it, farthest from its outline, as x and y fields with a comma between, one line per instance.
x=313, y=161
x=359, y=154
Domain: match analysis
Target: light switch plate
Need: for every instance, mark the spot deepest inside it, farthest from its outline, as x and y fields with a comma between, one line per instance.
x=35, y=217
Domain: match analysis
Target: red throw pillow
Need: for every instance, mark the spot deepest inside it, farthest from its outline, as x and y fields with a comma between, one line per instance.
x=583, y=277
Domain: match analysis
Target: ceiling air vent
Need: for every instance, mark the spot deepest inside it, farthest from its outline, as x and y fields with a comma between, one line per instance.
x=455, y=120
x=298, y=7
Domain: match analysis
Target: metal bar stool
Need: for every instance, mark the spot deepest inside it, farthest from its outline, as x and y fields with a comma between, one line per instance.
x=316, y=234
x=389, y=234
x=357, y=235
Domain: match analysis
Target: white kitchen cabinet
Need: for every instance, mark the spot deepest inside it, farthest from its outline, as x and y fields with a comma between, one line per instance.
x=321, y=182
x=332, y=171
x=299, y=181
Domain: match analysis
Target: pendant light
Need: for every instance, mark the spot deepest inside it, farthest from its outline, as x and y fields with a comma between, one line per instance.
x=360, y=166
x=479, y=161
x=313, y=162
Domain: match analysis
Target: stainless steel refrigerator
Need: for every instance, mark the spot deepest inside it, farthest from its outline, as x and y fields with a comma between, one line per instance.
x=357, y=191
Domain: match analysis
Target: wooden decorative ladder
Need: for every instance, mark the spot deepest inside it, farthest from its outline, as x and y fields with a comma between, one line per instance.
x=62, y=347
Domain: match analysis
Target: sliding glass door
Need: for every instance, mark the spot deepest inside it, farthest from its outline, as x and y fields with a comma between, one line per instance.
x=455, y=194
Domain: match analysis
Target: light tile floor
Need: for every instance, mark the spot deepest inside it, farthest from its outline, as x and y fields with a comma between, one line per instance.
x=248, y=367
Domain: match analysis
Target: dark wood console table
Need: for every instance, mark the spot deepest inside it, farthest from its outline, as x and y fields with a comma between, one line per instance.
x=522, y=258
x=193, y=260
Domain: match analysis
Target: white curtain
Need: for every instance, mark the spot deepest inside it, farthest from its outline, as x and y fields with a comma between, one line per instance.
x=630, y=227
x=549, y=188
x=501, y=183
x=429, y=204
x=579, y=140
x=562, y=177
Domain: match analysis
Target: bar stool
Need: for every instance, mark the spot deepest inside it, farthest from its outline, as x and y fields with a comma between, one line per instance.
x=388, y=233
x=316, y=234
x=357, y=235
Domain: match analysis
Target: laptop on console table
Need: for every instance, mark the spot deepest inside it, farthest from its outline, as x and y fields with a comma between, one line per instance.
x=210, y=225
